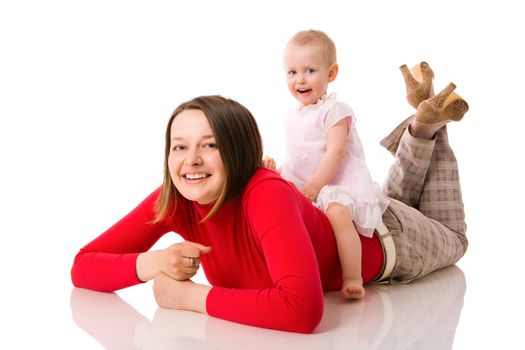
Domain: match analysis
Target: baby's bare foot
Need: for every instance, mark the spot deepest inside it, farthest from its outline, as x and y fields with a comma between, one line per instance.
x=352, y=289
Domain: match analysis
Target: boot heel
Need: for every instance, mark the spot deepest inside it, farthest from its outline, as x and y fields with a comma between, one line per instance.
x=418, y=81
x=455, y=107
x=442, y=108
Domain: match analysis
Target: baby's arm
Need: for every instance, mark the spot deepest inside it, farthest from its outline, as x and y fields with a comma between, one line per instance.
x=335, y=150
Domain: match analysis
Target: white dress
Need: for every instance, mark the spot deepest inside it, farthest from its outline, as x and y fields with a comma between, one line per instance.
x=352, y=185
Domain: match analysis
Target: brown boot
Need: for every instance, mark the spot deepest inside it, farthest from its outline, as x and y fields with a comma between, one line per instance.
x=442, y=108
x=418, y=82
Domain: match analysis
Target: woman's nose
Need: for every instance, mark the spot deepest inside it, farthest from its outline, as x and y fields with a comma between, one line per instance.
x=194, y=158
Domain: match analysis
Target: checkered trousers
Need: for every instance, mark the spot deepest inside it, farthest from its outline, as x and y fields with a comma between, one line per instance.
x=425, y=216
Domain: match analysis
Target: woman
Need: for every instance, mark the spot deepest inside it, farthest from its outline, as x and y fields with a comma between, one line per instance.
x=267, y=252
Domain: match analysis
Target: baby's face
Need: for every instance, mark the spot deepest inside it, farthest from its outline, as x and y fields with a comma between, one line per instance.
x=307, y=72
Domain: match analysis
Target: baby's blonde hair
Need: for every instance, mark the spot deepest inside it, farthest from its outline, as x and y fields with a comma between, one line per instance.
x=319, y=38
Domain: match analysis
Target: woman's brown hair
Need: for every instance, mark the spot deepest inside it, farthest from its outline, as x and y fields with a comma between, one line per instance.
x=239, y=143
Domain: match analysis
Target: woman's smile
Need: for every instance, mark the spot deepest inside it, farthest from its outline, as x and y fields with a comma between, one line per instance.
x=195, y=177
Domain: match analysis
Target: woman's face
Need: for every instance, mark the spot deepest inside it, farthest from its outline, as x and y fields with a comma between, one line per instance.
x=194, y=162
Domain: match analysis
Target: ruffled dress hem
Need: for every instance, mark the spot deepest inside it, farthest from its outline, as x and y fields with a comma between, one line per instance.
x=367, y=211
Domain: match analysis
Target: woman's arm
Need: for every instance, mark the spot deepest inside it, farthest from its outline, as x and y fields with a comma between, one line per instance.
x=335, y=151
x=295, y=300
x=108, y=263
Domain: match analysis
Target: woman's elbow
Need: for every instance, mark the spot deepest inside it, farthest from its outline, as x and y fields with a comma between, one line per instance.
x=309, y=317
x=307, y=326
x=76, y=271
x=81, y=274
x=78, y=278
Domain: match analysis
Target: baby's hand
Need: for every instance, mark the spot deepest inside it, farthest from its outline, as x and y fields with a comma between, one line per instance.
x=309, y=192
x=269, y=163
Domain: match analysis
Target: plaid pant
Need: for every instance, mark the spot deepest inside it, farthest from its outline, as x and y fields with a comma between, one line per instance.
x=425, y=215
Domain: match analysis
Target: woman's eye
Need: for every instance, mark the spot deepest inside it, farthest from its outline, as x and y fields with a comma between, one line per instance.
x=177, y=148
x=210, y=145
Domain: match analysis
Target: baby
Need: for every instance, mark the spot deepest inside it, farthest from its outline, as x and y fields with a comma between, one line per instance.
x=325, y=159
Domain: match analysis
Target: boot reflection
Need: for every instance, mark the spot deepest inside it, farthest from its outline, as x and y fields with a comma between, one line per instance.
x=420, y=315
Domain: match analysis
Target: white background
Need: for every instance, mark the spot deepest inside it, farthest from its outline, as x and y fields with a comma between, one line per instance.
x=86, y=88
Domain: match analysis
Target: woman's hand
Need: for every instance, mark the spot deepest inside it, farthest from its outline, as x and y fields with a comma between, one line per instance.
x=179, y=261
x=180, y=295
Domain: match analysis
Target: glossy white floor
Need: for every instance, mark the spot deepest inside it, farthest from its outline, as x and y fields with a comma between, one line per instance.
x=87, y=87
x=385, y=319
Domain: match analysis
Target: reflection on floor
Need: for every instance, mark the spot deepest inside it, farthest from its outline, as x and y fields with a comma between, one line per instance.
x=420, y=315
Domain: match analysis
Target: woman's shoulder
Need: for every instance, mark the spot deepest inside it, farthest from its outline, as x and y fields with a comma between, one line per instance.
x=266, y=180
x=263, y=175
x=268, y=198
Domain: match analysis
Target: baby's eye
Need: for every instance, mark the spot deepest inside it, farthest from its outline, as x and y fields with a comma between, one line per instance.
x=292, y=73
x=310, y=71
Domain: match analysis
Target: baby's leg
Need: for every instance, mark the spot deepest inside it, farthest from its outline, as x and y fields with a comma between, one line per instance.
x=349, y=250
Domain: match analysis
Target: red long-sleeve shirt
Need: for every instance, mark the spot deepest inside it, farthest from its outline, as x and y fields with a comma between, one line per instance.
x=273, y=254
